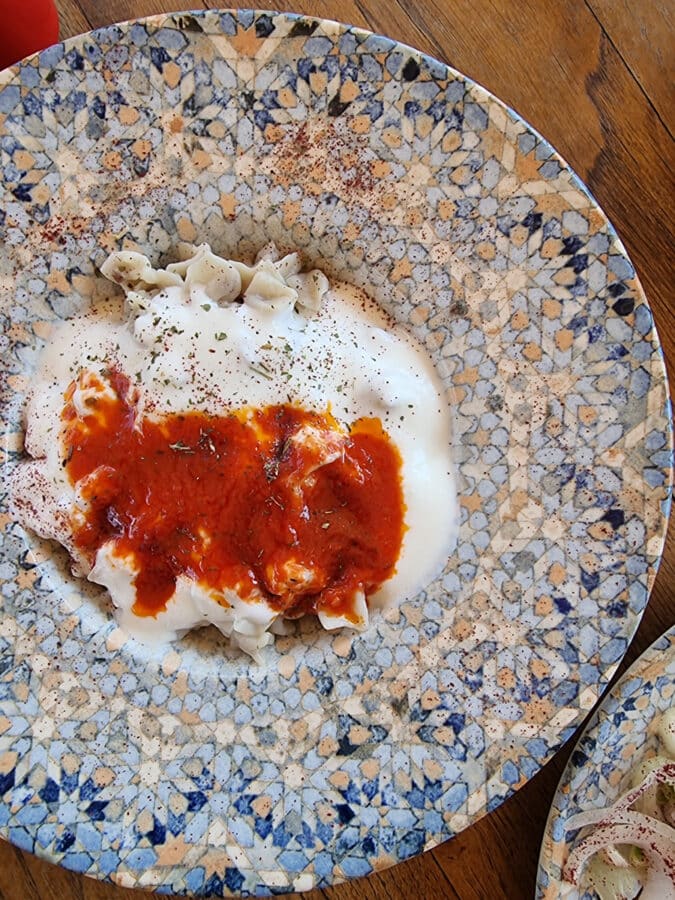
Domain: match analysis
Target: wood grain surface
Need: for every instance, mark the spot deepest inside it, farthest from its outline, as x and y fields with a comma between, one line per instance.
x=596, y=78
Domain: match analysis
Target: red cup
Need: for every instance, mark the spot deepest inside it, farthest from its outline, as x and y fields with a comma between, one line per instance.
x=26, y=26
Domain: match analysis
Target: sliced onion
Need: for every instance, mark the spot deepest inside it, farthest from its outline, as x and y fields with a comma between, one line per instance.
x=619, y=824
x=663, y=775
x=615, y=857
x=660, y=850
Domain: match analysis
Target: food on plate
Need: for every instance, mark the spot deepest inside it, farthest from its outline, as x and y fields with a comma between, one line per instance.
x=630, y=849
x=239, y=445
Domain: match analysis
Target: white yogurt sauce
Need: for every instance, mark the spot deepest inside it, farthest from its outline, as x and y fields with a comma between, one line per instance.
x=194, y=344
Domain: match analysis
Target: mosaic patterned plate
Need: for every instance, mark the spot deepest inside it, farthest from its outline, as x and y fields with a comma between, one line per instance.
x=620, y=734
x=192, y=769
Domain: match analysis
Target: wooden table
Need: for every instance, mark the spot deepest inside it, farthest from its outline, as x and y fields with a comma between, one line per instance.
x=595, y=77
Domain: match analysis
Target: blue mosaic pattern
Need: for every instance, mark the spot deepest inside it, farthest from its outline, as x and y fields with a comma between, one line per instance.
x=191, y=769
x=620, y=733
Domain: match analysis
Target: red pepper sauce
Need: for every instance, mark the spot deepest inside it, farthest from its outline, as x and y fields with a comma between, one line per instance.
x=277, y=501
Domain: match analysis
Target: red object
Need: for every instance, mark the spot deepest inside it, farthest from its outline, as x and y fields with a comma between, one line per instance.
x=27, y=26
x=239, y=501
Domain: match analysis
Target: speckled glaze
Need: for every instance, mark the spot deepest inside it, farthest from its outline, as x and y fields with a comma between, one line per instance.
x=620, y=734
x=194, y=770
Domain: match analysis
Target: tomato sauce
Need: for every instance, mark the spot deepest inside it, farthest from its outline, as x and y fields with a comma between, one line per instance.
x=276, y=501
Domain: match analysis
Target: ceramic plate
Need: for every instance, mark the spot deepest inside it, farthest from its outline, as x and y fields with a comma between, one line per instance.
x=619, y=735
x=193, y=769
